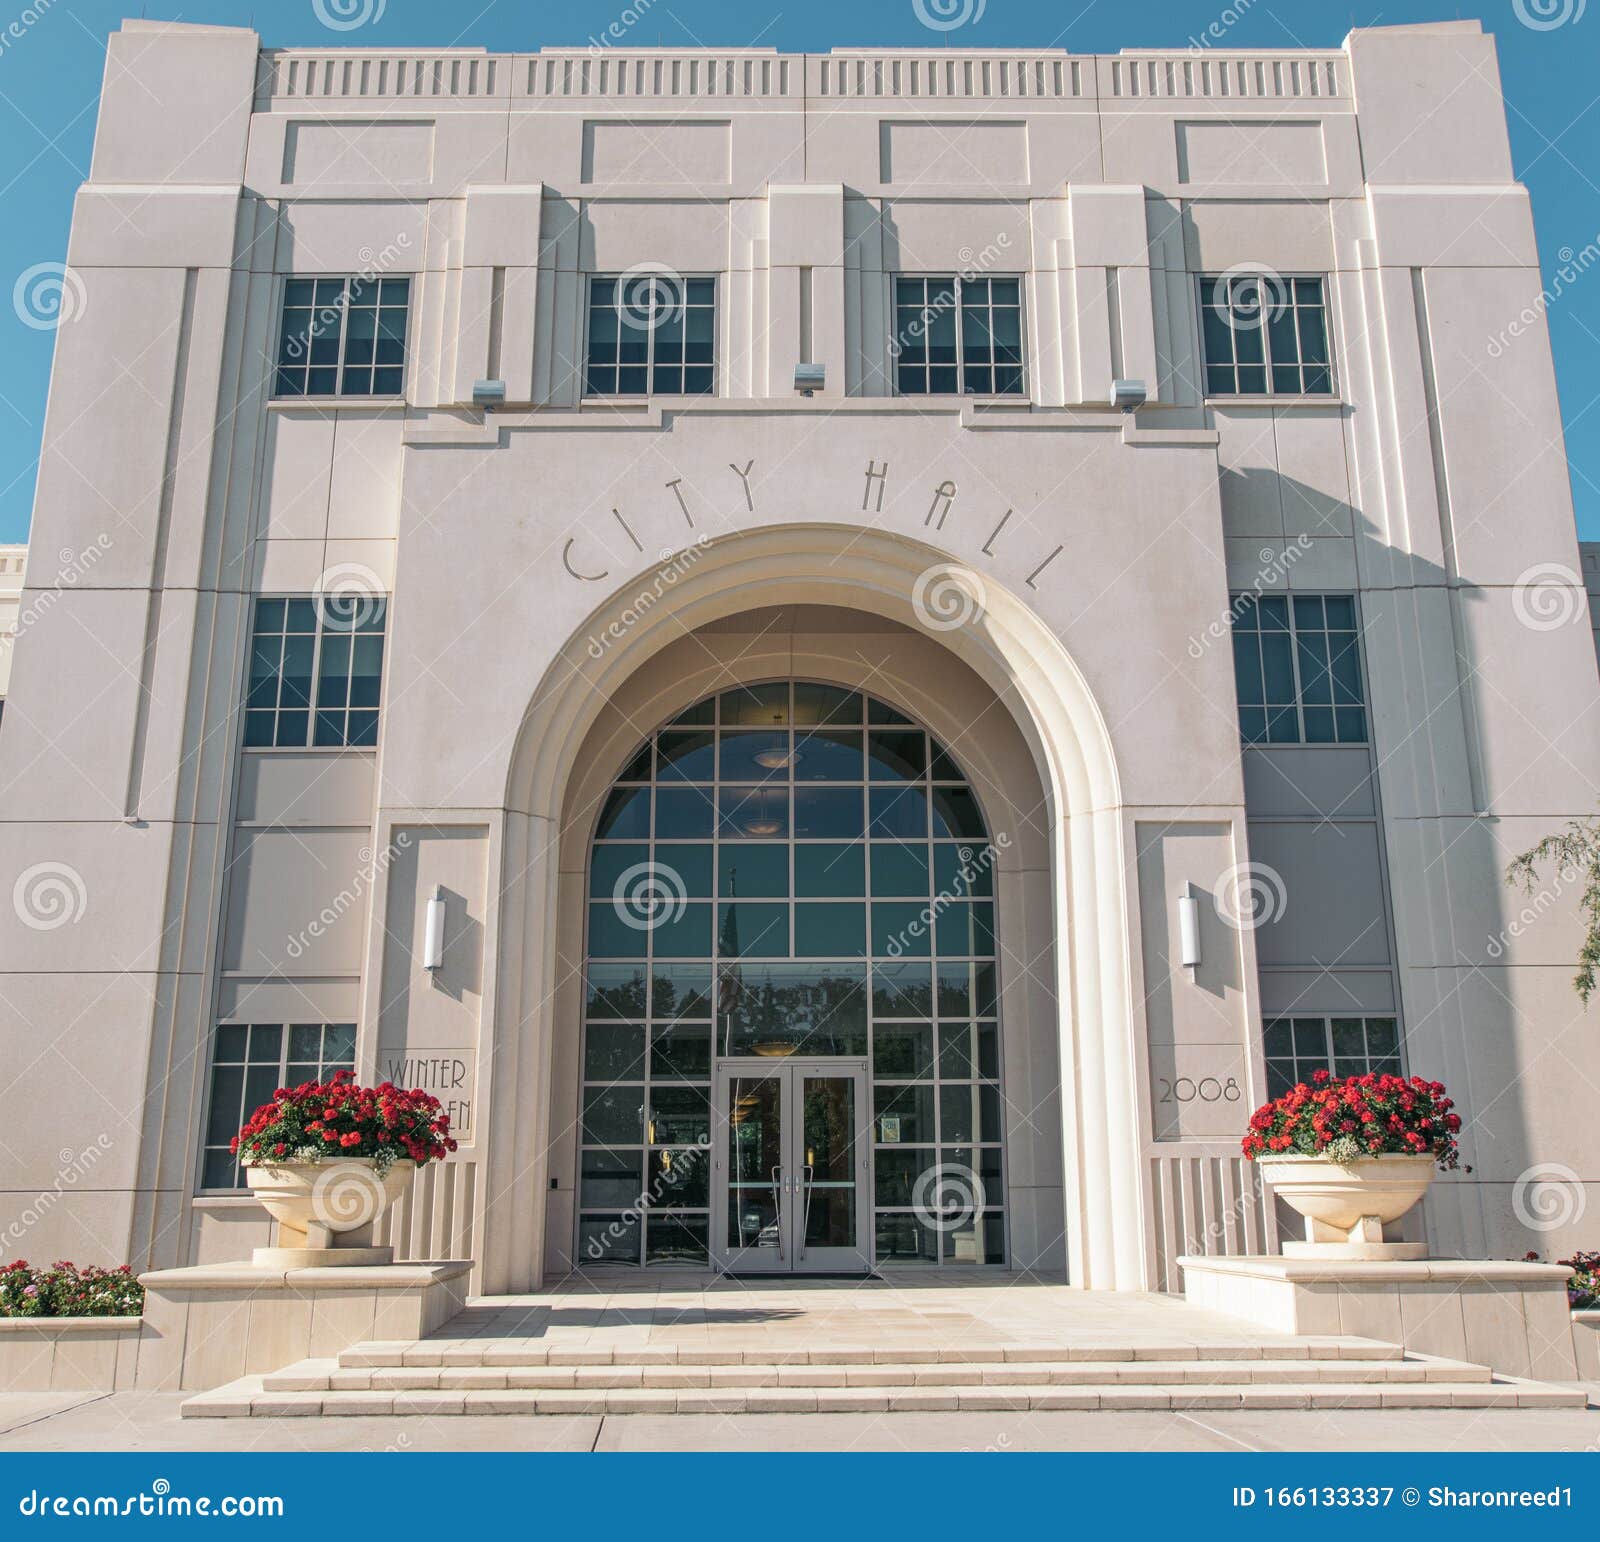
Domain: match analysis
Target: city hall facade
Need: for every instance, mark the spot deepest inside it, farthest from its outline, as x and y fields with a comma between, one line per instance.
x=851, y=656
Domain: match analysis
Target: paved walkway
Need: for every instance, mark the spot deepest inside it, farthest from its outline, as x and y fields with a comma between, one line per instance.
x=130, y=1421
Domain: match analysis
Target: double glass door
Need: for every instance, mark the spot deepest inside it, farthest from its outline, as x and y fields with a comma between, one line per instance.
x=791, y=1164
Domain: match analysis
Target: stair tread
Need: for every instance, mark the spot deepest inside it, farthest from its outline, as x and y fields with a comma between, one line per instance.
x=249, y=1398
x=328, y=1375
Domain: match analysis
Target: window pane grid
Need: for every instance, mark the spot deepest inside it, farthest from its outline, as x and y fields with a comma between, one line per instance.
x=1297, y=666
x=337, y=642
x=343, y=337
x=249, y=1062
x=1263, y=335
x=958, y=336
x=828, y=891
x=1298, y=1047
x=651, y=334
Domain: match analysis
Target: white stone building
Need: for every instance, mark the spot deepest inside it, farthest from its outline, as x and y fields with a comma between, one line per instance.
x=813, y=769
x=13, y=563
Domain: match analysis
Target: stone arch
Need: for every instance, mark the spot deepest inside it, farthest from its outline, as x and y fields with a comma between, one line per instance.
x=1007, y=645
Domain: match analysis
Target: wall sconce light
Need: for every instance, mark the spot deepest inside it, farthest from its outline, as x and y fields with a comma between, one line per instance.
x=433, y=931
x=1188, y=930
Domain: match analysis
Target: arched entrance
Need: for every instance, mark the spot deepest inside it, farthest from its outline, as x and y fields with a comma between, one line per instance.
x=577, y=736
x=791, y=1057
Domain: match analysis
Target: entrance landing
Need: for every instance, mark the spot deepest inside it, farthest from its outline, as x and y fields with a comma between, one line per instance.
x=677, y=1344
x=791, y=1317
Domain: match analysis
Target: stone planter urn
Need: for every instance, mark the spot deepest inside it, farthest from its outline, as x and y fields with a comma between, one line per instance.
x=1351, y=1208
x=326, y=1211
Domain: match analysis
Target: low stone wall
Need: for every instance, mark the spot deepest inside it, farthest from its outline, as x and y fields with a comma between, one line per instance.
x=207, y=1326
x=1586, y=1344
x=1511, y=1317
x=68, y=1354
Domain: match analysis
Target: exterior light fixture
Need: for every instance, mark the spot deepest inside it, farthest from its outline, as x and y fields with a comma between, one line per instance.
x=1188, y=930
x=1128, y=395
x=810, y=378
x=433, y=931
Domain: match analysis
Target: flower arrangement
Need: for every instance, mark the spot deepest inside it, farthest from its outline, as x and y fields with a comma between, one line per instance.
x=65, y=1290
x=1361, y=1116
x=1583, y=1288
x=319, y=1121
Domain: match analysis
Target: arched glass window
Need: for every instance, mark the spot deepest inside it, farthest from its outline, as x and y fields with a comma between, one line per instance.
x=791, y=871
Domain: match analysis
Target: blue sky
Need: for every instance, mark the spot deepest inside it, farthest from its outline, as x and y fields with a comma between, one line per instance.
x=50, y=78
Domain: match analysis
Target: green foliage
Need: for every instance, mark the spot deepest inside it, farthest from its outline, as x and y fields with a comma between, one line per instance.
x=1575, y=854
x=65, y=1290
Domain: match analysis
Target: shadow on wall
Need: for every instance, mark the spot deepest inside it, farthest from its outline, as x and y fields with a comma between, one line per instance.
x=1458, y=684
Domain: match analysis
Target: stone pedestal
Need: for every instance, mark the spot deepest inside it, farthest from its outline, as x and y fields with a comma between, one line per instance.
x=210, y=1325
x=1510, y=1316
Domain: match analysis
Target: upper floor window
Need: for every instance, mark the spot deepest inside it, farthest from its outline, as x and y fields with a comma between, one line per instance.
x=1265, y=335
x=651, y=334
x=249, y=1062
x=343, y=337
x=316, y=672
x=1298, y=663
x=958, y=336
x=1298, y=1047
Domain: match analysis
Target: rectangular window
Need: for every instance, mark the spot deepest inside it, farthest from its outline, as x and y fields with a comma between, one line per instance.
x=249, y=1062
x=1346, y=1046
x=316, y=673
x=958, y=336
x=1297, y=659
x=1264, y=335
x=652, y=334
x=343, y=337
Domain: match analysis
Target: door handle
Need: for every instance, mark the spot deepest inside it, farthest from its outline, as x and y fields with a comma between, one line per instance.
x=808, y=1173
x=777, y=1202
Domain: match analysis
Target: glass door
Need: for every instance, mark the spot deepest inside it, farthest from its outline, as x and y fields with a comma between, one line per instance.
x=791, y=1167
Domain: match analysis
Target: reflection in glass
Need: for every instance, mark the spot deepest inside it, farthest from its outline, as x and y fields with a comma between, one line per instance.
x=788, y=1009
x=755, y=1155
x=799, y=829
x=828, y=1175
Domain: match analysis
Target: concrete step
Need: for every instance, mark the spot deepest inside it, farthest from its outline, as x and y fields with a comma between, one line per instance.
x=331, y=1376
x=510, y=1352
x=249, y=1398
